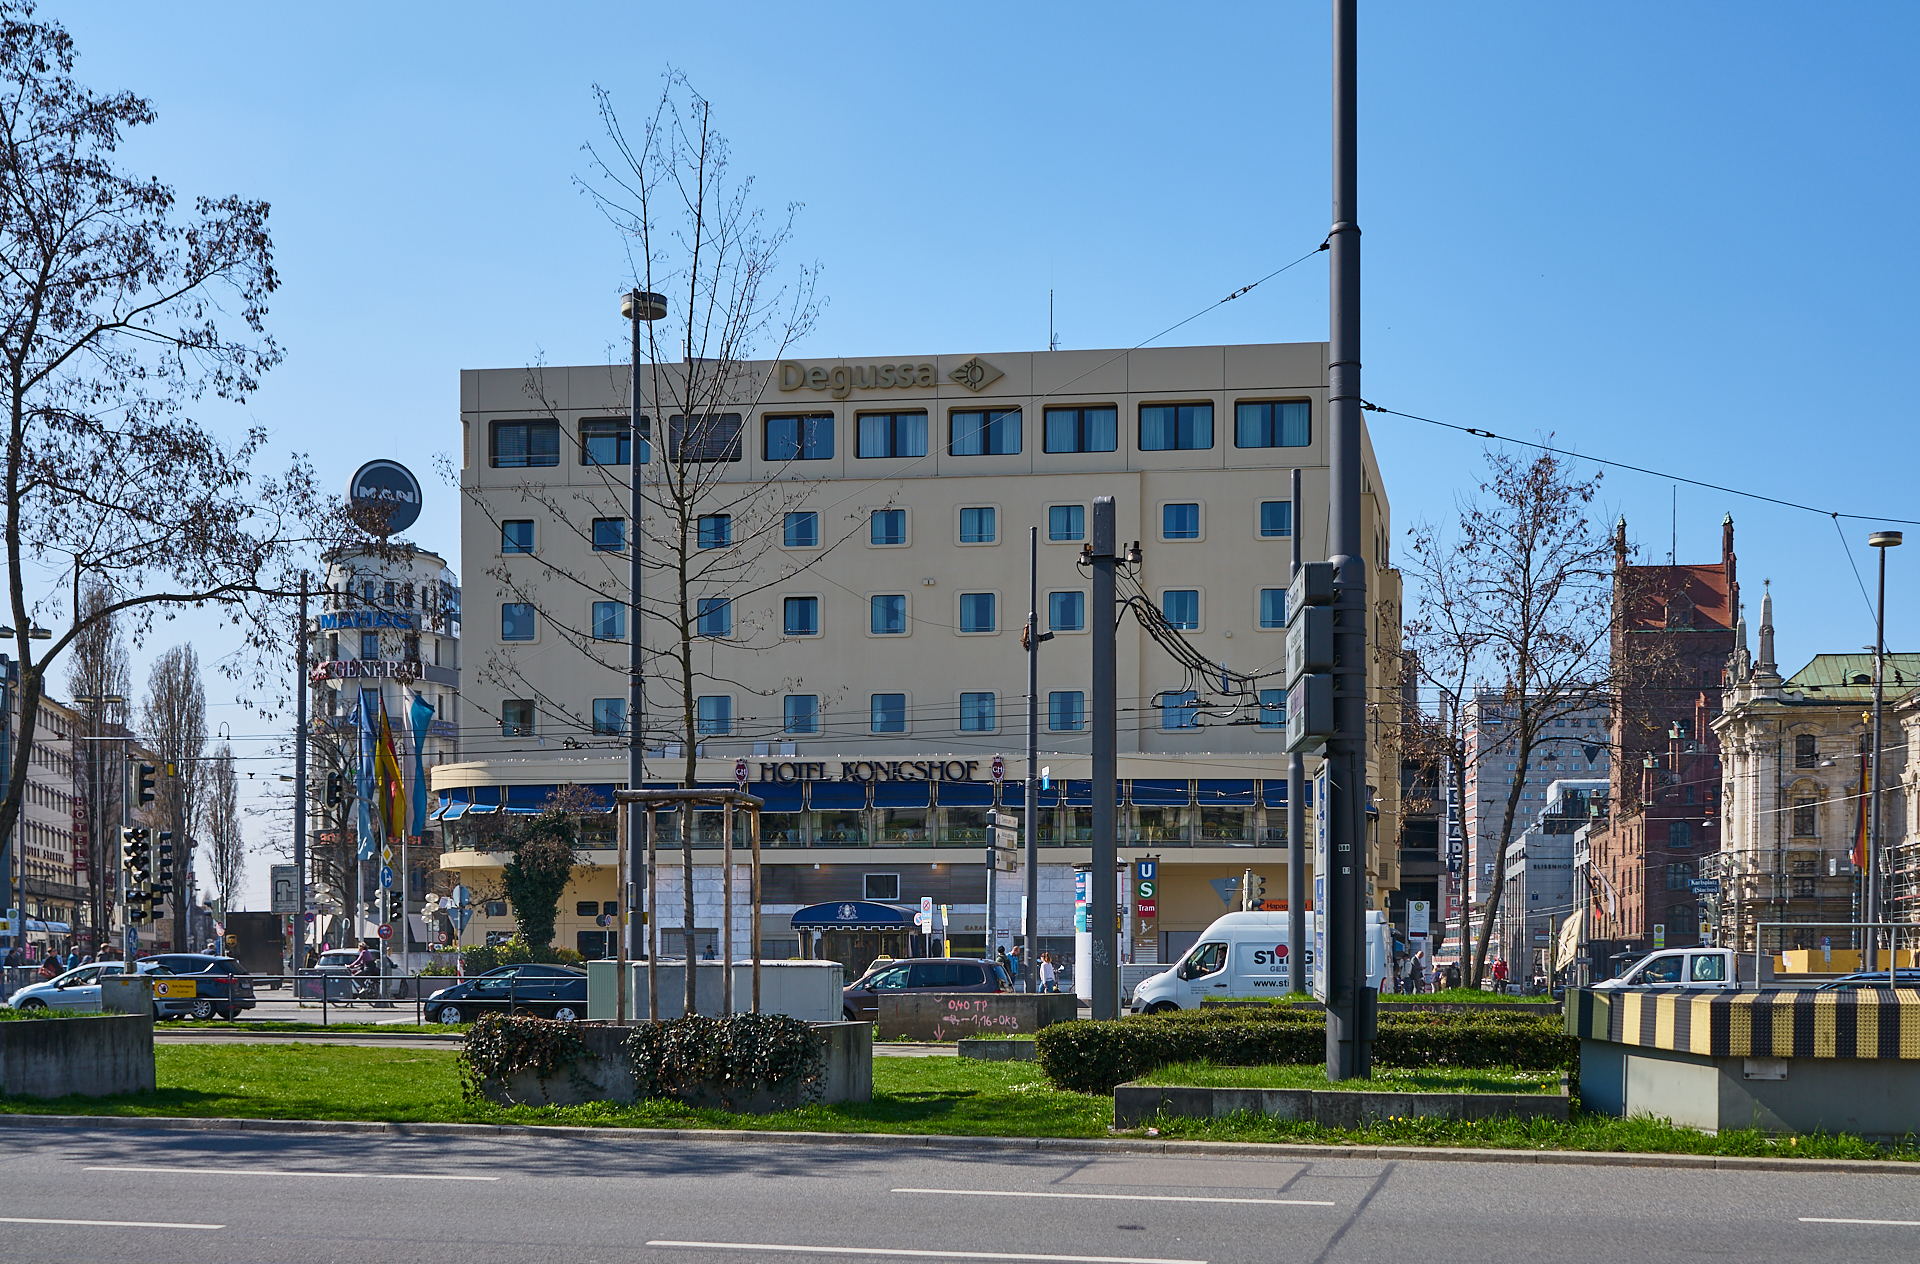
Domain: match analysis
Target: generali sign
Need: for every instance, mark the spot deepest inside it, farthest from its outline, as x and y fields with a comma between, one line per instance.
x=842, y=380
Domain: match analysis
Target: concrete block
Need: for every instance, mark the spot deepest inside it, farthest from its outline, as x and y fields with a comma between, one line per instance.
x=1135, y=1104
x=807, y=990
x=998, y=1050
x=94, y=1056
x=943, y=1016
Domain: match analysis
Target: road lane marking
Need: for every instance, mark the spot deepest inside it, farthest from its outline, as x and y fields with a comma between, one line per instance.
x=111, y=1224
x=1132, y=1198
x=921, y=1255
x=246, y=1171
x=1843, y=1220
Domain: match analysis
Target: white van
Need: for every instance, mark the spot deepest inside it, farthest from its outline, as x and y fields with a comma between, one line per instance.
x=1243, y=956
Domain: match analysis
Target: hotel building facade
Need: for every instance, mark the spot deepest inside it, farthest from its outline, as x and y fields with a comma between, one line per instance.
x=858, y=633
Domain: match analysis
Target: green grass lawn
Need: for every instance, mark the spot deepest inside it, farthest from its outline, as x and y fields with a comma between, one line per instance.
x=1398, y=1079
x=397, y=1029
x=1453, y=996
x=951, y=1096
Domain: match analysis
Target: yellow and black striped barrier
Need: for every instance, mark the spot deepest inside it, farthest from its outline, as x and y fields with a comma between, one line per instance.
x=1869, y=1023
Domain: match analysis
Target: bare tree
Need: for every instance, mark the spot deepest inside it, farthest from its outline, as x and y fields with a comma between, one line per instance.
x=226, y=844
x=1516, y=612
x=174, y=723
x=98, y=671
x=118, y=312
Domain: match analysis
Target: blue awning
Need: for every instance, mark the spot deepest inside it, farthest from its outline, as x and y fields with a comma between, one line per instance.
x=836, y=795
x=1080, y=793
x=1156, y=793
x=485, y=799
x=453, y=811
x=781, y=796
x=528, y=800
x=1227, y=794
x=970, y=794
x=852, y=915
x=1014, y=793
x=1273, y=792
x=902, y=794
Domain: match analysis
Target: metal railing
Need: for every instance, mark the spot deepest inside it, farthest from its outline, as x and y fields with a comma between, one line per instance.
x=1882, y=940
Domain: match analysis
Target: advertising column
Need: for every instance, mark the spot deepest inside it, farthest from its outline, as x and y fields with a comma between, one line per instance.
x=1082, y=936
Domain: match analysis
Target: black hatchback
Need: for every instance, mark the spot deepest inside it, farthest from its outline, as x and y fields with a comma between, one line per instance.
x=860, y=1000
x=206, y=986
x=546, y=991
x=1878, y=979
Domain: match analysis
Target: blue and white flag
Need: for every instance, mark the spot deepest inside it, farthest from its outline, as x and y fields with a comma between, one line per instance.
x=366, y=718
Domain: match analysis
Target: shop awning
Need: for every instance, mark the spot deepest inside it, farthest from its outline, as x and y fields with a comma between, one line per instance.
x=485, y=799
x=1273, y=792
x=902, y=794
x=1080, y=793
x=1227, y=794
x=528, y=800
x=781, y=796
x=825, y=796
x=1014, y=794
x=971, y=794
x=852, y=915
x=1157, y=793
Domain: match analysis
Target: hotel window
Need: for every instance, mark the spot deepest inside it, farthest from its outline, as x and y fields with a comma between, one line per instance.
x=889, y=614
x=1066, y=711
x=713, y=715
x=1080, y=429
x=1276, y=519
x=1282, y=425
x=609, y=621
x=369, y=645
x=710, y=437
x=606, y=441
x=1066, y=522
x=892, y=434
x=1180, y=522
x=715, y=531
x=805, y=437
x=976, y=713
x=977, y=525
x=1181, y=606
x=1175, y=427
x=1273, y=708
x=802, y=530
x=1067, y=612
x=519, y=444
x=801, y=616
x=1180, y=710
x=983, y=432
x=976, y=612
x=516, y=536
x=801, y=713
x=887, y=527
x=610, y=716
x=714, y=617
x=516, y=718
x=1273, y=607
x=516, y=621
x=889, y=712
x=609, y=535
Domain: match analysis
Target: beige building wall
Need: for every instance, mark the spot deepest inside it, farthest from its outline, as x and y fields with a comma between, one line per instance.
x=562, y=669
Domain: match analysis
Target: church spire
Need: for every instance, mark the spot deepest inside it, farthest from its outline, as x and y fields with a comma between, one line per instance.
x=1766, y=665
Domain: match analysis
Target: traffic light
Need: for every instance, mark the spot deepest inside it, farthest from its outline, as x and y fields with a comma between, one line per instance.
x=336, y=788
x=1259, y=891
x=163, y=867
x=146, y=784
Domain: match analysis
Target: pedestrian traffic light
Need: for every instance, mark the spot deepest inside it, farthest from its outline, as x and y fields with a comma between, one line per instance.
x=163, y=866
x=336, y=788
x=146, y=784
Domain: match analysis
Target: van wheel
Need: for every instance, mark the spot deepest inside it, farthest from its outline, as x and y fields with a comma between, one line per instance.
x=1162, y=1007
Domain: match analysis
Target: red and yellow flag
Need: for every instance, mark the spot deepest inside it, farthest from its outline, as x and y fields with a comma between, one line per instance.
x=1860, y=819
x=389, y=794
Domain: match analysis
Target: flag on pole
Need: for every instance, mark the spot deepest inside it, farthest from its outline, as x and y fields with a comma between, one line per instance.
x=363, y=775
x=421, y=715
x=392, y=792
x=1860, y=819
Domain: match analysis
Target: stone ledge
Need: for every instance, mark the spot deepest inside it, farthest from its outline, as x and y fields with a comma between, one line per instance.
x=1136, y=1104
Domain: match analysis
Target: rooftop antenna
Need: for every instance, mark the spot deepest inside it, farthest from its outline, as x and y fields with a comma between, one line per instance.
x=1673, y=540
x=1053, y=339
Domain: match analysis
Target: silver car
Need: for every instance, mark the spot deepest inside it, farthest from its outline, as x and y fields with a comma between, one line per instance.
x=78, y=989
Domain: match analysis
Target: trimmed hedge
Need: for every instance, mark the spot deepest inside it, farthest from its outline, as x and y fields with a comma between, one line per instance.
x=1093, y=1057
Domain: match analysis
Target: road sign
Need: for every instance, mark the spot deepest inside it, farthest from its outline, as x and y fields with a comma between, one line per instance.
x=1704, y=886
x=386, y=877
x=1006, y=860
x=740, y=772
x=1046, y=778
x=926, y=905
x=1006, y=820
x=1006, y=838
x=175, y=989
x=386, y=855
x=999, y=768
x=286, y=889
x=460, y=915
x=386, y=930
x=1147, y=909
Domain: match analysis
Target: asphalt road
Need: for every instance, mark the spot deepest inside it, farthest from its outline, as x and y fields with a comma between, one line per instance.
x=303, y=1199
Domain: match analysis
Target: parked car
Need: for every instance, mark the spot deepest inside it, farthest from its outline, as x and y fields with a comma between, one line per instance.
x=1878, y=979
x=543, y=990
x=77, y=990
x=860, y=1000
x=221, y=988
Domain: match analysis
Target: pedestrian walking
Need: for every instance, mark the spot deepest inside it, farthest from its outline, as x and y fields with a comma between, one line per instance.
x=1500, y=974
x=1049, y=981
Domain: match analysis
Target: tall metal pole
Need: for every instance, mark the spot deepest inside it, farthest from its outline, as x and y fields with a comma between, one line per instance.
x=1350, y=1003
x=1296, y=819
x=300, y=787
x=1102, y=891
x=1030, y=922
x=636, y=686
x=1881, y=540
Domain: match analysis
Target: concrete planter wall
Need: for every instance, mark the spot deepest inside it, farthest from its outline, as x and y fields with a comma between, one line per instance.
x=95, y=1056
x=941, y=1016
x=998, y=1050
x=1136, y=1104
x=806, y=990
x=606, y=1074
x=1538, y=1009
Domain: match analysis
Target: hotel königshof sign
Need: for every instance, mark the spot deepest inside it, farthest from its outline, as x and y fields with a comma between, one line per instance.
x=872, y=770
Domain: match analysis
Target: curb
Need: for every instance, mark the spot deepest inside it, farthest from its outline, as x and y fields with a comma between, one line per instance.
x=897, y=1141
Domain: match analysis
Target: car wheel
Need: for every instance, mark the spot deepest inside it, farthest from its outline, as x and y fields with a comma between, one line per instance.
x=847, y=1014
x=202, y=1010
x=33, y=1002
x=448, y=1014
x=566, y=1014
x=1162, y=1007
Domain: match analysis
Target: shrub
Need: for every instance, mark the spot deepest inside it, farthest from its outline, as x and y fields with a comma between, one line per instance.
x=733, y=1058
x=1092, y=1057
x=500, y=1046
x=484, y=957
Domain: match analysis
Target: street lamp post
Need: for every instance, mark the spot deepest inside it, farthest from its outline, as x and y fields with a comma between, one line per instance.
x=1882, y=540
x=636, y=306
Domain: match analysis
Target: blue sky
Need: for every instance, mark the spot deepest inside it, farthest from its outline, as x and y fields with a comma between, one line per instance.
x=1678, y=236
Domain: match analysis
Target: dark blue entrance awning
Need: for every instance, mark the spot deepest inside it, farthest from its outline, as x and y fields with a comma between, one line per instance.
x=1227, y=794
x=1273, y=792
x=780, y=796
x=851, y=915
x=1080, y=793
x=902, y=794
x=837, y=795
x=1153, y=793
x=1014, y=795
x=970, y=794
